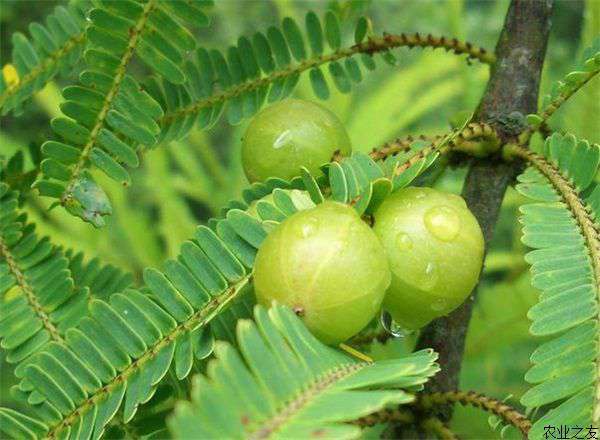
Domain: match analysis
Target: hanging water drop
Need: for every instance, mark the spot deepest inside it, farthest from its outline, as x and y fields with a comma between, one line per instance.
x=403, y=241
x=390, y=326
x=443, y=222
x=309, y=227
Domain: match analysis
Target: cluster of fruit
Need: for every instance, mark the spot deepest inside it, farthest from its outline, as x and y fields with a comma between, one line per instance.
x=420, y=259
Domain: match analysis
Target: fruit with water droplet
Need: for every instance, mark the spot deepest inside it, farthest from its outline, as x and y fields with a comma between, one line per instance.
x=441, y=267
x=290, y=134
x=327, y=265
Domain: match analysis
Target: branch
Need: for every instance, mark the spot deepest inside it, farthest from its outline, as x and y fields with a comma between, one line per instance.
x=476, y=139
x=470, y=398
x=513, y=86
x=386, y=415
x=370, y=46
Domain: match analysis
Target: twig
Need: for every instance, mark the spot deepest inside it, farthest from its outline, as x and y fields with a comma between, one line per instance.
x=477, y=138
x=387, y=415
x=471, y=398
x=437, y=427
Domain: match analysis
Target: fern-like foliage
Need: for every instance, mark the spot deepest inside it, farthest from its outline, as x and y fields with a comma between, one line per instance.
x=102, y=280
x=287, y=384
x=267, y=67
x=117, y=355
x=53, y=48
x=37, y=292
x=562, y=226
x=109, y=113
x=573, y=81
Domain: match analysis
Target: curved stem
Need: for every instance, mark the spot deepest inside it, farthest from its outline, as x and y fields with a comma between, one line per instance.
x=370, y=46
x=487, y=136
x=568, y=193
x=557, y=102
x=387, y=415
x=470, y=398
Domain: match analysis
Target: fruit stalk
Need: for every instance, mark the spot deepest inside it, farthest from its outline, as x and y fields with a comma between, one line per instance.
x=513, y=87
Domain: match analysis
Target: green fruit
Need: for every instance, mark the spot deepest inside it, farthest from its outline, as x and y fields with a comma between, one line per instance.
x=327, y=265
x=435, y=249
x=288, y=135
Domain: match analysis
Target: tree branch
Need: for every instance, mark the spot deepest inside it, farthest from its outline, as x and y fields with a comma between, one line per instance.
x=513, y=87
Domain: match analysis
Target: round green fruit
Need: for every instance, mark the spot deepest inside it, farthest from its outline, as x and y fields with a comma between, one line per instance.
x=290, y=134
x=328, y=266
x=435, y=249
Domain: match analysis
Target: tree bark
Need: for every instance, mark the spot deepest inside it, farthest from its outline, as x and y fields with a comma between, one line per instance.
x=511, y=93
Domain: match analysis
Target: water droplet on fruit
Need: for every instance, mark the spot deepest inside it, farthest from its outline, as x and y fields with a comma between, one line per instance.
x=393, y=328
x=403, y=241
x=443, y=222
x=309, y=227
x=438, y=305
x=429, y=269
x=282, y=140
x=420, y=195
x=430, y=277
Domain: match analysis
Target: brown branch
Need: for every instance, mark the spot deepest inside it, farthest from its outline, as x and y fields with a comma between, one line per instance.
x=370, y=46
x=477, y=139
x=513, y=86
x=470, y=398
x=386, y=415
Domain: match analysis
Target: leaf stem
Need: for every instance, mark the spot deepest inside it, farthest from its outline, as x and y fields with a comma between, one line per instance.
x=198, y=319
x=477, y=400
x=27, y=290
x=48, y=62
x=370, y=46
x=110, y=96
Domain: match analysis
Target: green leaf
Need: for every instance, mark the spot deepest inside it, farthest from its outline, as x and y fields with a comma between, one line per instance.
x=319, y=84
x=332, y=30
x=315, y=33
x=564, y=266
x=340, y=79
x=362, y=26
x=56, y=49
x=294, y=38
x=285, y=370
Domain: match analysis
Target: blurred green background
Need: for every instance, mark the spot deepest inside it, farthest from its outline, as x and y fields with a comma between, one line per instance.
x=183, y=184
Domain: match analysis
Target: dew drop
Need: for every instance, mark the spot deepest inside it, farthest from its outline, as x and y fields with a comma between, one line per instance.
x=430, y=277
x=403, y=241
x=393, y=328
x=282, y=140
x=438, y=305
x=443, y=222
x=420, y=195
x=309, y=227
